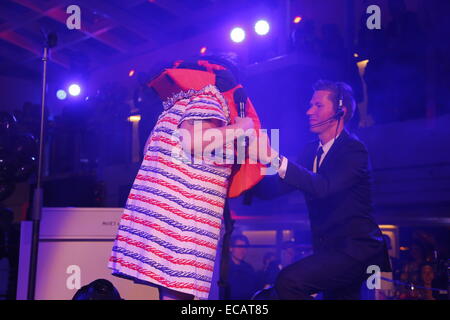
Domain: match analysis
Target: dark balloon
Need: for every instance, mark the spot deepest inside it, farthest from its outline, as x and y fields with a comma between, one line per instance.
x=6, y=190
x=7, y=122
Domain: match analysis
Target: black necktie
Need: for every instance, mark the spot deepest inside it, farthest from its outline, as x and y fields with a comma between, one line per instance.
x=318, y=155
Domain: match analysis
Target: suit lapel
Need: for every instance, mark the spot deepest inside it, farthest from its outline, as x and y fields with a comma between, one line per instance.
x=310, y=154
x=334, y=150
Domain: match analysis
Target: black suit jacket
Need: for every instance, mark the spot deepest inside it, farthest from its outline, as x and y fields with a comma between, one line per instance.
x=338, y=198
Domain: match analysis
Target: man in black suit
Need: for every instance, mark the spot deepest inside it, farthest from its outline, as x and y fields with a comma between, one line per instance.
x=334, y=175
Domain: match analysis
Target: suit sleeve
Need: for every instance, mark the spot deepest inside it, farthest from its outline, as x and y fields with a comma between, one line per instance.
x=271, y=187
x=347, y=171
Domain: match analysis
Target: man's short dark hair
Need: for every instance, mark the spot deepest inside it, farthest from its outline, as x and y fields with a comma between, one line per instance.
x=239, y=237
x=336, y=89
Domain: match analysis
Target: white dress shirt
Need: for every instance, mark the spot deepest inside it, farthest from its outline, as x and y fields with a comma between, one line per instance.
x=326, y=147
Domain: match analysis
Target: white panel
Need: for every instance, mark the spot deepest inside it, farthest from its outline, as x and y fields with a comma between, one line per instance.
x=91, y=259
x=80, y=223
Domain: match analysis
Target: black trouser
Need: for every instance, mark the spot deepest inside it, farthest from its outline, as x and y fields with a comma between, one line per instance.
x=337, y=275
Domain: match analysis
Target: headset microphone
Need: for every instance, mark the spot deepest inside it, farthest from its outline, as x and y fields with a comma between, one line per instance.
x=339, y=111
x=336, y=116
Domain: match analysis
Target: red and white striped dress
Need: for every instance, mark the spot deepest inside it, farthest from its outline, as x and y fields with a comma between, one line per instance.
x=170, y=226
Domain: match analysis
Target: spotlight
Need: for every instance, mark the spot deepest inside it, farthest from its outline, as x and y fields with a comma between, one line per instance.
x=74, y=89
x=203, y=50
x=61, y=94
x=131, y=73
x=237, y=35
x=297, y=19
x=134, y=118
x=262, y=27
x=362, y=64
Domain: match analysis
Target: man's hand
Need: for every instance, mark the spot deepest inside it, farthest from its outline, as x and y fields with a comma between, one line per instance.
x=260, y=149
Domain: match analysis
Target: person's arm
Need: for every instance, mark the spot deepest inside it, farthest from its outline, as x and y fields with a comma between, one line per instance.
x=270, y=186
x=348, y=170
x=283, y=167
x=204, y=112
x=204, y=125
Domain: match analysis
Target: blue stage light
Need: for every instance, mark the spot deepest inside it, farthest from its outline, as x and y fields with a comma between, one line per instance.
x=262, y=27
x=61, y=94
x=74, y=89
x=237, y=34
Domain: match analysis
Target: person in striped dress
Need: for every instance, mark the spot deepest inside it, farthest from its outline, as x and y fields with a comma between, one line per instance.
x=169, y=230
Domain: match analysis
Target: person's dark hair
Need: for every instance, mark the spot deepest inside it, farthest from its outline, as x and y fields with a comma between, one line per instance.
x=100, y=289
x=225, y=79
x=336, y=89
x=238, y=237
x=425, y=264
x=227, y=60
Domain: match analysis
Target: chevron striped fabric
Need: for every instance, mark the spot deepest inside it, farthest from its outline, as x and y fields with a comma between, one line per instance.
x=170, y=226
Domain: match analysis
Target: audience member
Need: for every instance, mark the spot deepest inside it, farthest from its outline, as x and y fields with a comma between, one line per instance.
x=242, y=277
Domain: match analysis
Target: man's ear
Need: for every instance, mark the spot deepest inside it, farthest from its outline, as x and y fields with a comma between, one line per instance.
x=344, y=108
